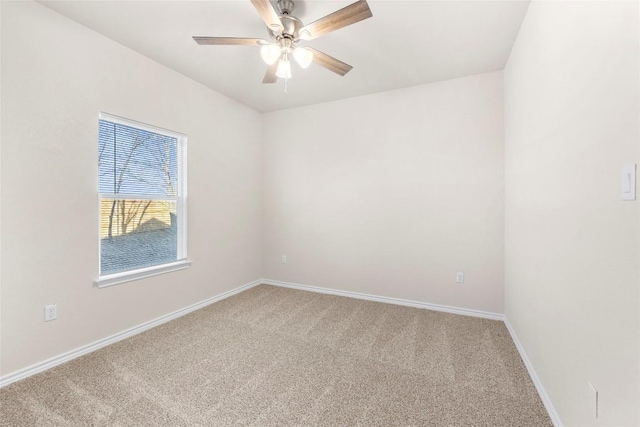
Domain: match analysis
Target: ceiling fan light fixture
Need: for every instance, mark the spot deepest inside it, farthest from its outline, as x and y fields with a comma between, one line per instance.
x=284, y=68
x=304, y=56
x=270, y=53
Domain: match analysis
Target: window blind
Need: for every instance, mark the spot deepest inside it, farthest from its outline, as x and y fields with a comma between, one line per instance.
x=140, y=200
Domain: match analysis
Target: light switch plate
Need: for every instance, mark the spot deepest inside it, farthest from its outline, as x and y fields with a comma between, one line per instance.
x=628, y=182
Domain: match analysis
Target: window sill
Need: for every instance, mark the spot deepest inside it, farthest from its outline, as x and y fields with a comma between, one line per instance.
x=129, y=276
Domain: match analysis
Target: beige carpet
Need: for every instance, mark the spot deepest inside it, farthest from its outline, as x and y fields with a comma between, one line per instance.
x=279, y=357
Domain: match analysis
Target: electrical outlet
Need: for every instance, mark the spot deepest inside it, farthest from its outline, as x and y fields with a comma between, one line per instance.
x=50, y=312
x=459, y=277
x=284, y=259
x=594, y=399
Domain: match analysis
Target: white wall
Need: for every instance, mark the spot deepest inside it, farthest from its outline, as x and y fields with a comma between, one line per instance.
x=391, y=194
x=572, y=268
x=56, y=77
x=388, y=194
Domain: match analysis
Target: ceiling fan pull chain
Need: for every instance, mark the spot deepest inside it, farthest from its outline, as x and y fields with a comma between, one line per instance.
x=285, y=85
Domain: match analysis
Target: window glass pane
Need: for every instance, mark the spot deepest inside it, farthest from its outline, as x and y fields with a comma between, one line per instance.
x=136, y=234
x=139, y=206
x=135, y=161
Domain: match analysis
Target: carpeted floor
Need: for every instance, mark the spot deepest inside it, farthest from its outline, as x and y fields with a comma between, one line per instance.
x=279, y=357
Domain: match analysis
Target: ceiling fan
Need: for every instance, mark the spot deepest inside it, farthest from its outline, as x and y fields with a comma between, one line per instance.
x=285, y=31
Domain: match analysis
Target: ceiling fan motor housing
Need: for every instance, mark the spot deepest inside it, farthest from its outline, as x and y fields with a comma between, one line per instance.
x=291, y=29
x=290, y=23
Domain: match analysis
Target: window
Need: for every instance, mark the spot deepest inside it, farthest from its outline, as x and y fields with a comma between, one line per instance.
x=142, y=191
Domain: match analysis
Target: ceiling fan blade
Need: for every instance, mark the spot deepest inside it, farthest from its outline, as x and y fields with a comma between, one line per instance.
x=229, y=41
x=330, y=63
x=268, y=14
x=351, y=14
x=270, y=75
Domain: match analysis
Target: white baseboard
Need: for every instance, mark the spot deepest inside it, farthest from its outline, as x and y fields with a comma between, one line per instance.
x=70, y=355
x=65, y=357
x=388, y=300
x=546, y=401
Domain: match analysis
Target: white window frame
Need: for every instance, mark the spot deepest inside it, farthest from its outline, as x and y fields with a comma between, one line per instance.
x=182, y=261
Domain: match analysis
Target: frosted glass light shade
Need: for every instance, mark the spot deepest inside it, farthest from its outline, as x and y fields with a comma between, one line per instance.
x=270, y=53
x=284, y=69
x=304, y=56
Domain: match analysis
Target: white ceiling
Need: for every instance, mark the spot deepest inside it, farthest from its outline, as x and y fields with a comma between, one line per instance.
x=405, y=43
